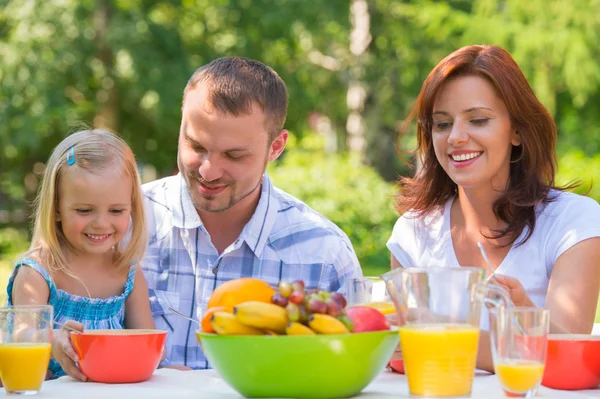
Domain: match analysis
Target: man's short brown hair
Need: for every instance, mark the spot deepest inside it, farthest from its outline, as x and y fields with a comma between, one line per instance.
x=234, y=84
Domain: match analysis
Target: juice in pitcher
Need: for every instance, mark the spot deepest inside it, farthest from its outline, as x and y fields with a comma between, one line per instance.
x=439, y=358
x=23, y=365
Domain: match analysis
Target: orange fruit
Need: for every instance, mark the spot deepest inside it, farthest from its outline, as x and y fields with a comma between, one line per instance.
x=205, y=323
x=234, y=292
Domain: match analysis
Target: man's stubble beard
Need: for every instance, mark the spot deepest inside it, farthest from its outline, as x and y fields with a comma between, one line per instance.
x=232, y=200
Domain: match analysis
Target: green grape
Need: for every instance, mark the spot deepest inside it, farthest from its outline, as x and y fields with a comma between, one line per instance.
x=293, y=311
x=285, y=288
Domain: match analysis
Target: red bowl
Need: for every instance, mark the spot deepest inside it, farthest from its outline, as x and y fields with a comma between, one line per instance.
x=119, y=356
x=397, y=366
x=572, y=362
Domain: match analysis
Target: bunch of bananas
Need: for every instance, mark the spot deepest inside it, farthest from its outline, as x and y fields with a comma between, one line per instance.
x=260, y=318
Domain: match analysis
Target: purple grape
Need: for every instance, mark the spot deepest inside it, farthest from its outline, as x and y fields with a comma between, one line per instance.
x=317, y=306
x=293, y=311
x=333, y=308
x=298, y=285
x=296, y=297
x=304, y=313
x=339, y=298
x=285, y=288
x=279, y=300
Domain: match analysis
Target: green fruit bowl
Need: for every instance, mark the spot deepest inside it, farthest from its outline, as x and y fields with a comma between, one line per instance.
x=301, y=366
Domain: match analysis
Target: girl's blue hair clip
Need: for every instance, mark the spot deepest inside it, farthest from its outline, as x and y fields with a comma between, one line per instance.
x=71, y=155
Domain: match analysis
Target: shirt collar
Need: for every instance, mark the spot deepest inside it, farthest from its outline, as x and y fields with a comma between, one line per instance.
x=185, y=215
x=257, y=230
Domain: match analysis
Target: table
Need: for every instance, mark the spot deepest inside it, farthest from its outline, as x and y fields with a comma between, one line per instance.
x=205, y=384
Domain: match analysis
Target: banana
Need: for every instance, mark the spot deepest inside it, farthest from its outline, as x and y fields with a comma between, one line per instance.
x=326, y=324
x=294, y=328
x=226, y=324
x=262, y=315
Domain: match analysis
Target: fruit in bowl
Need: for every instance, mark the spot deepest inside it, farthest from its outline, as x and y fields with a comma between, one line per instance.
x=294, y=310
x=572, y=362
x=302, y=344
x=119, y=356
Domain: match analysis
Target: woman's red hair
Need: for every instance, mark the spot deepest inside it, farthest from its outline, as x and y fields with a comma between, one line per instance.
x=533, y=163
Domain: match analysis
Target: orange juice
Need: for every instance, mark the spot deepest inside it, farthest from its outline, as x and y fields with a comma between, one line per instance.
x=23, y=365
x=439, y=359
x=384, y=307
x=519, y=376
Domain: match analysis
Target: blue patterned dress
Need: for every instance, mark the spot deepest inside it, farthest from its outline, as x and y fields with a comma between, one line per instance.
x=92, y=313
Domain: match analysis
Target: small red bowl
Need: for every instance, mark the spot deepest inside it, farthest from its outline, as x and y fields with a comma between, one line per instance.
x=119, y=356
x=572, y=362
x=397, y=366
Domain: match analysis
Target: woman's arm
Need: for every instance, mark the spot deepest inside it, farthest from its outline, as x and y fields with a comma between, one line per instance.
x=137, y=305
x=574, y=286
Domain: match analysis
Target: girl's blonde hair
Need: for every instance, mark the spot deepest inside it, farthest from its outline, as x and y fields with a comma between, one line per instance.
x=93, y=151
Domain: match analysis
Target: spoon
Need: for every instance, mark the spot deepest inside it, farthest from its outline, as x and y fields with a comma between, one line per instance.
x=184, y=316
x=61, y=325
x=487, y=262
x=492, y=271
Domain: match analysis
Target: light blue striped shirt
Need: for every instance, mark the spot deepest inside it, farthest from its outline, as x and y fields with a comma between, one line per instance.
x=284, y=240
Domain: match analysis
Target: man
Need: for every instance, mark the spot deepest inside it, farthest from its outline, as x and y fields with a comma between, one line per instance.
x=221, y=218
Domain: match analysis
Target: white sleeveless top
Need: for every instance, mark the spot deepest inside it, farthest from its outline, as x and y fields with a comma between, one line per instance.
x=570, y=219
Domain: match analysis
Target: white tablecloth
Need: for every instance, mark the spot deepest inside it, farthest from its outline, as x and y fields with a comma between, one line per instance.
x=204, y=384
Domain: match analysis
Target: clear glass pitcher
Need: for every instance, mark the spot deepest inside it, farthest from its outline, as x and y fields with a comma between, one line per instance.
x=438, y=311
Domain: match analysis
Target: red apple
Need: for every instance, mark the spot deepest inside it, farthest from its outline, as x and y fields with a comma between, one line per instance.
x=367, y=319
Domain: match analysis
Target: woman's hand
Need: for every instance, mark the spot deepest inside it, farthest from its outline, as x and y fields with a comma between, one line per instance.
x=515, y=289
x=63, y=352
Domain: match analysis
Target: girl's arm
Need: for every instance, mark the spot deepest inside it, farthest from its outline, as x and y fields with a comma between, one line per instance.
x=137, y=305
x=29, y=288
x=574, y=286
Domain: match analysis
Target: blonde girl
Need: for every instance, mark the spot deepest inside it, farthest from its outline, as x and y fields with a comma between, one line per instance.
x=89, y=200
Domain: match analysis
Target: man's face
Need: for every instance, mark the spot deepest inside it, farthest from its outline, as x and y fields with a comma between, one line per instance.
x=223, y=157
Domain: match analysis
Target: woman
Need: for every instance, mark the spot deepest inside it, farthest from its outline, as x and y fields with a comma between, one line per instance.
x=487, y=148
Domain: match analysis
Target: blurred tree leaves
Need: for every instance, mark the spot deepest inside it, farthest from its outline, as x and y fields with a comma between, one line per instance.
x=125, y=62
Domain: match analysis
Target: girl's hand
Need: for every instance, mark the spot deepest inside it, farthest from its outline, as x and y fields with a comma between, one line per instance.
x=63, y=352
x=515, y=289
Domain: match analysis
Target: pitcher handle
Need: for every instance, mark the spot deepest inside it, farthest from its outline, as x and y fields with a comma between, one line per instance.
x=500, y=297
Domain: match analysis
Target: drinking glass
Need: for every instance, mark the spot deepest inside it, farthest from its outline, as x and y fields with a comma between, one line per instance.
x=369, y=291
x=519, y=343
x=25, y=346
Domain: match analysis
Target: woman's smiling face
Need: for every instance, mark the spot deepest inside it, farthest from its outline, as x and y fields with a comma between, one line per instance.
x=472, y=133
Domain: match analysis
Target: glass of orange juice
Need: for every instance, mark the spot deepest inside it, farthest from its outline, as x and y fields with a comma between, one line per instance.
x=25, y=346
x=519, y=342
x=438, y=313
x=369, y=291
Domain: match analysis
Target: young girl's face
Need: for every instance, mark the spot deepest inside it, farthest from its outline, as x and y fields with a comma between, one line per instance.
x=94, y=208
